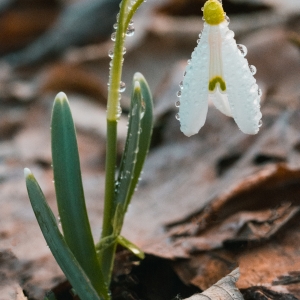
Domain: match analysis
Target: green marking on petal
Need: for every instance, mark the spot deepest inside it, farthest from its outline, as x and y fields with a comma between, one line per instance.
x=213, y=12
x=214, y=81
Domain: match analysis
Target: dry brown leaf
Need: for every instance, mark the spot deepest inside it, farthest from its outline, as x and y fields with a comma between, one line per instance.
x=224, y=289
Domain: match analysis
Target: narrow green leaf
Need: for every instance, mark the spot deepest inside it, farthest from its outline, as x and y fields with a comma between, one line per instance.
x=69, y=191
x=130, y=246
x=56, y=242
x=146, y=132
x=128, y=162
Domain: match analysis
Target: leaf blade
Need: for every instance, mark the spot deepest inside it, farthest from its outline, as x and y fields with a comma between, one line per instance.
x=128, y=162
x=56, y=242
x=146, y=132
x=69, y=191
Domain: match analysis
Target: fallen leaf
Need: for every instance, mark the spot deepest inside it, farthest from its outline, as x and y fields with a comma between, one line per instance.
x=224, y=289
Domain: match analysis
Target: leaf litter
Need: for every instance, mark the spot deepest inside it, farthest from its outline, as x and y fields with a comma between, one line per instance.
x=205, y=205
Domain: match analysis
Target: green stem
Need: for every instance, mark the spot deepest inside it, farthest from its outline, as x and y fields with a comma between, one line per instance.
x=107, y=256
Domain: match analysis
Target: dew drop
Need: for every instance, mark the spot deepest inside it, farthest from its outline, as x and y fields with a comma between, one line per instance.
x=252, y=69
x=253, y=88
x=227, y=19
x=177, y=103
x=122, y=87
x=188, y=61
x=111, y=53
x=178, y=94
x=177, y=117
x=113, y=36
x=229, y=34
x=259, y=92
x=117, y=16
x=202, y=8
x=242, y=49
x=198, y=41
x=184, y=73
x=181, y=84
x=115, y=26
x=131, y=23
x=260, y=123
x=130, y=30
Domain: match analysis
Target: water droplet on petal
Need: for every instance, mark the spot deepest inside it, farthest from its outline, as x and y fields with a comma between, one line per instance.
x=181, y=84
x=177, y=117
x=113, y=36
x=188, y=61
x=229, y=34
x=227, y=19
x=242, y=49
x=252, y=69
x=122, y=87
x=259, y=92
x=177, y=103
x=253, y=88
x=184, y=73
x=178, y=94
x=130, y=30
x=260, y=123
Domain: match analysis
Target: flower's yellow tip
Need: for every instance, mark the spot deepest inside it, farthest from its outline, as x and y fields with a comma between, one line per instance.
x=217, y=80
x=213, y=12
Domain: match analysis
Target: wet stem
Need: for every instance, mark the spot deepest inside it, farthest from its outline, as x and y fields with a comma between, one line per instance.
x=107, y=255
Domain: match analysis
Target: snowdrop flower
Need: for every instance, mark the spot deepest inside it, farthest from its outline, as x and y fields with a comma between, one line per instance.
x=218, y=71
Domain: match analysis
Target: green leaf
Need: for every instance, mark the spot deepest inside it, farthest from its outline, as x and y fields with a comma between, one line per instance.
x=128, y=162
x=57, y=244
x=130, y=246
x=146, y=132
x=69, y=191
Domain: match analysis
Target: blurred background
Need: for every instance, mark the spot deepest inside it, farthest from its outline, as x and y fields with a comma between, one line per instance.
x=48, y=46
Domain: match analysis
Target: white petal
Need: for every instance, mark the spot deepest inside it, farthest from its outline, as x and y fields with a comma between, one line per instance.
x=220, y=100
x=194, y=97
x=241, y=87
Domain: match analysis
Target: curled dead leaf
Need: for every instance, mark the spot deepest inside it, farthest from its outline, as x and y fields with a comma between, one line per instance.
x=224, y=289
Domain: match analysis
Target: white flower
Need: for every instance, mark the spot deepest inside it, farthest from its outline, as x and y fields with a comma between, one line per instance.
x=219, y=71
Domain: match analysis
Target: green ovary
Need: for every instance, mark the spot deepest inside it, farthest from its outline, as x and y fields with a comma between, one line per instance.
x=213, y=12
x=213, y=83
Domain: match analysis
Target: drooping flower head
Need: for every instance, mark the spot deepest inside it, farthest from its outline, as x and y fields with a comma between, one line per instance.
x=218, y=71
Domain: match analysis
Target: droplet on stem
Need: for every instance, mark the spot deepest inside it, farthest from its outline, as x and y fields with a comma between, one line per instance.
x=111, y=53
x=130, y=30
x=122, y=87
